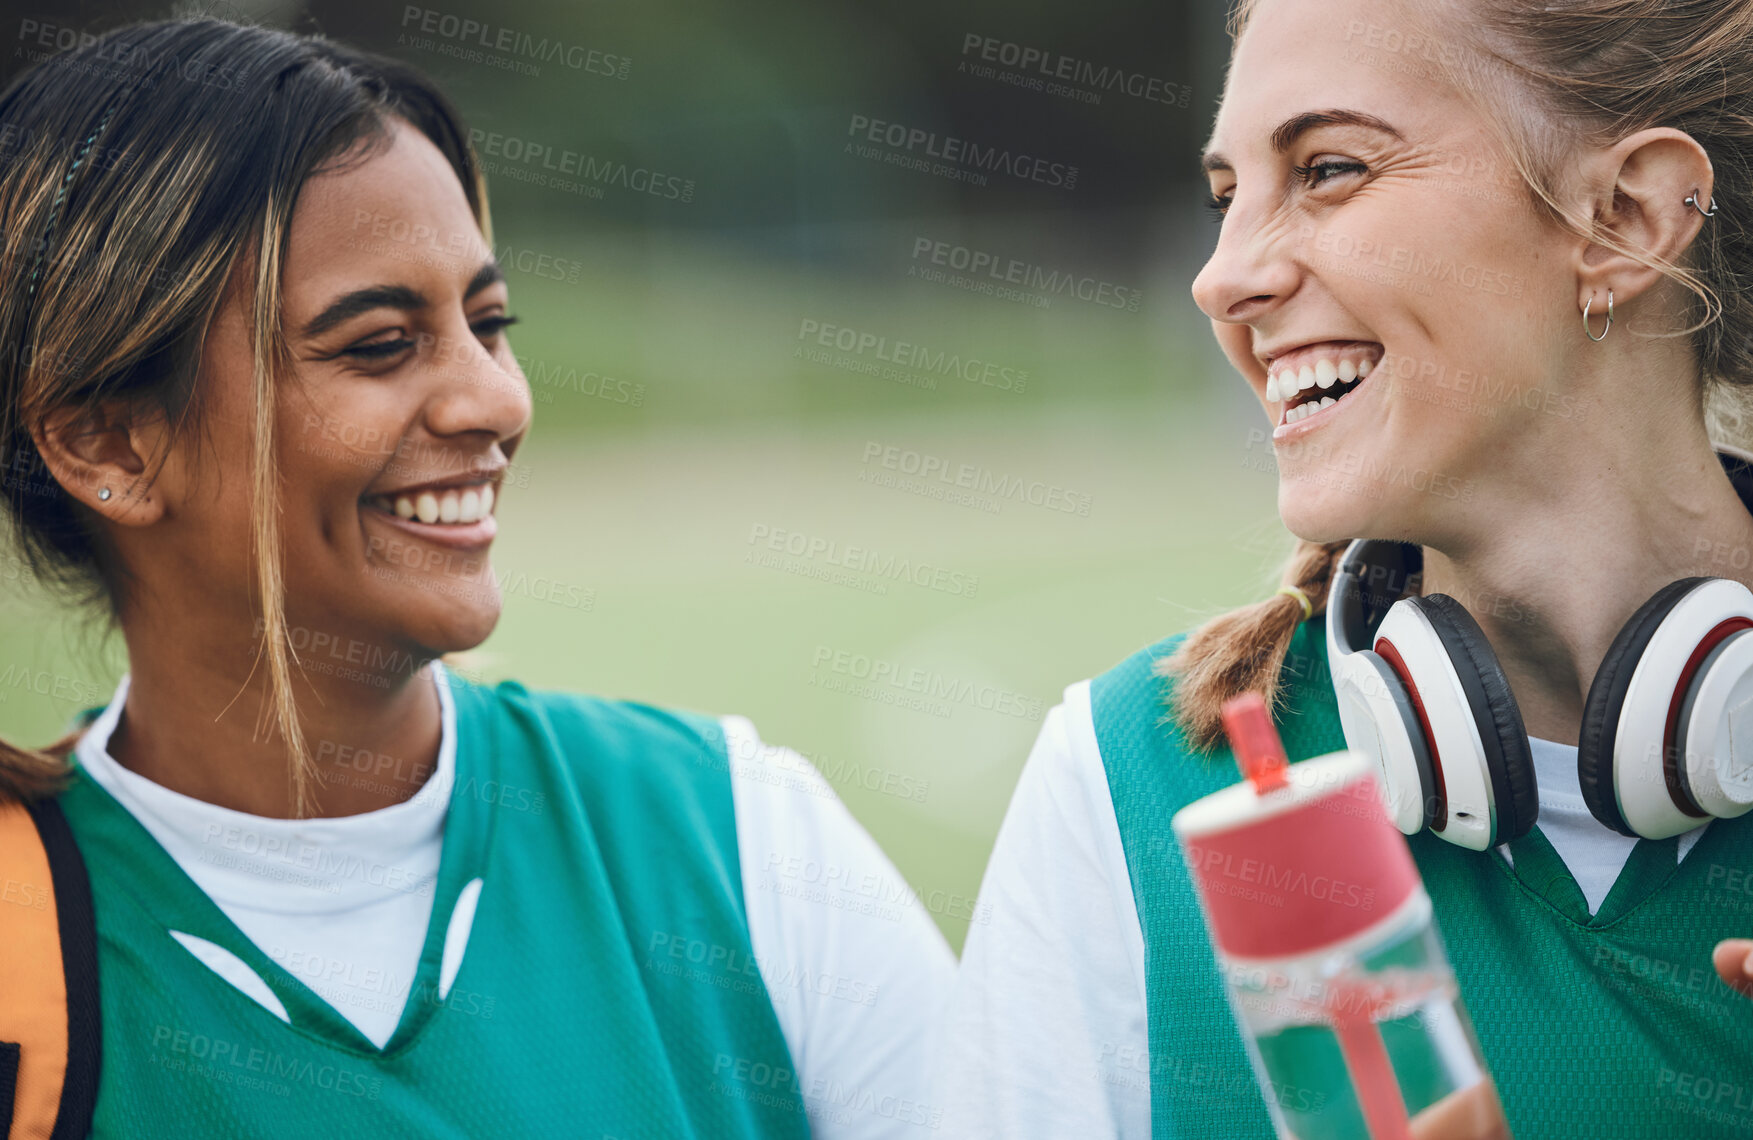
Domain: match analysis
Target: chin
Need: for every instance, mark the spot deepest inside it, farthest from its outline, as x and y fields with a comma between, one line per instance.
x=448, y=625
x=1325, y=507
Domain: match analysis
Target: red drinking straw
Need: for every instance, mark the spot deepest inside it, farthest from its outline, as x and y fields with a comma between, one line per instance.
x=1260, y=755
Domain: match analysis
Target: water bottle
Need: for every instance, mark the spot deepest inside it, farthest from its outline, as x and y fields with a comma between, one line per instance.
x=1332, y=962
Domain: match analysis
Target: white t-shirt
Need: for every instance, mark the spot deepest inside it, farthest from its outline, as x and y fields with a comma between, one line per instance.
x=343, y=903
x=1047, y=1033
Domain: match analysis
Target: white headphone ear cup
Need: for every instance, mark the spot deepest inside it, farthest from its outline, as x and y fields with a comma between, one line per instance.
x=1464, y=811
x=1716, y=729
x=1623, y=754
x=1379, y=721
x=1509, y=761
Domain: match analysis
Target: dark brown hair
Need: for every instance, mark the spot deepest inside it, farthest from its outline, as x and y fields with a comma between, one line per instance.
x=137, y=172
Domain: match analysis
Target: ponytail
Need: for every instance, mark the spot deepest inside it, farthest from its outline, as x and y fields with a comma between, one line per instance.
x=31, y=774
x=1243, y=650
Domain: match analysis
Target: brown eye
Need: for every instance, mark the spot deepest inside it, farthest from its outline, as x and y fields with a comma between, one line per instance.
x=491, y=326
x=1307, y=175
x=381, y=350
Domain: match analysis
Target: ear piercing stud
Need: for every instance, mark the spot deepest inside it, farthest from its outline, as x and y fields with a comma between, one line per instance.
x=1692, y=200
x=104, y=495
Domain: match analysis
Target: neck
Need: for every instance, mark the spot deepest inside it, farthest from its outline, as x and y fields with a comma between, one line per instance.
x=189, y=721
x=1559, y=557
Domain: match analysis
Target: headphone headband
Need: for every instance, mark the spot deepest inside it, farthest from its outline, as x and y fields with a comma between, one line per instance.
x=1373, y=573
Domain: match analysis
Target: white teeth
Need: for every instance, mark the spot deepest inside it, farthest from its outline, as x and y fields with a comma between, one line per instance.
x=1325, y=374
x=1272, y=389
x=1305, y=378
x=470, y=505
x=1363, y=368
x=1348, y=370
x=1304, y=411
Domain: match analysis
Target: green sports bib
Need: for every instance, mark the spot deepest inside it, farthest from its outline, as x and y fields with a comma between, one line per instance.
x=1612, y=1026
x=608, y=988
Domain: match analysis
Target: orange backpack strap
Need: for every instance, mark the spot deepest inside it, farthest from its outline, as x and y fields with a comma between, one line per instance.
x=49, y=1019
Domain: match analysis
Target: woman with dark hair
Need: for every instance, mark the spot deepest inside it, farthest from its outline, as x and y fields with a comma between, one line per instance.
x=1483, y=264
x=257, y=405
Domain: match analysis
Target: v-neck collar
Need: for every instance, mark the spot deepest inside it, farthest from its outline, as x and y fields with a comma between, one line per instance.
x=1537, y=866
x=150, y=878
x=1653, y=863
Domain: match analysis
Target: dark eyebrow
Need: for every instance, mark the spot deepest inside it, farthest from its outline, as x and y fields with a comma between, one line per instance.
x=489, y=274
x=1293, y=128
x=350, y=305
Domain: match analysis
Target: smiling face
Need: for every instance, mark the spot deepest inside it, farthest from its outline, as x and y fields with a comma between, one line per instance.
x=395, y=429
x=1373, y=227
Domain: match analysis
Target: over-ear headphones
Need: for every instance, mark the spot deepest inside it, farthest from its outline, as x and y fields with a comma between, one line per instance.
x=1667, y=736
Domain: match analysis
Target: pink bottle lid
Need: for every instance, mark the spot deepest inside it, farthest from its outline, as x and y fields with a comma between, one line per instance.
x=1296, y=857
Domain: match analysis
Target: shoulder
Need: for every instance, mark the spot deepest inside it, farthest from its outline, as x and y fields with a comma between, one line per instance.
x=605, y=729
x=1149, y=763
x=1134, y=696
x=599, y=750
x=1129, y=708
x=1132, y=692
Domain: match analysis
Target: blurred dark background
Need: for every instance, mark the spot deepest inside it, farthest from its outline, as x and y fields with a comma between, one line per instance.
x=814, y=402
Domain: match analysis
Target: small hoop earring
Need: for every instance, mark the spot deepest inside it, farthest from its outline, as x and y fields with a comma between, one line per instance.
x=1692, y=200
x=1605, y=331
x=104, y=494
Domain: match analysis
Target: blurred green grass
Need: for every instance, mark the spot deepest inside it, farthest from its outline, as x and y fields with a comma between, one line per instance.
x=647, y=511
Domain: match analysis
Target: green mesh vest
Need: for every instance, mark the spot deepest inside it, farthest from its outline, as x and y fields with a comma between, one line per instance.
x=608, y=988
x=1615, y=1026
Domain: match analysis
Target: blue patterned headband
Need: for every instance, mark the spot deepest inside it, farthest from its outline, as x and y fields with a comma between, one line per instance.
x=61, y=193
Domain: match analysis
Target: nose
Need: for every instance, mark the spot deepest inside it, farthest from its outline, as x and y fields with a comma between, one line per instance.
x=1249, y=273
x=474, y=392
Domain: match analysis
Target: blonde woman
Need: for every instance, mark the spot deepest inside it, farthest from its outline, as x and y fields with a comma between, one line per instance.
x=1483, y=263
x=258, y=406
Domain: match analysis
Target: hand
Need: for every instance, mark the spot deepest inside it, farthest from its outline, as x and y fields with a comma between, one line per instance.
x=1473, y=1113
x=1733, y=960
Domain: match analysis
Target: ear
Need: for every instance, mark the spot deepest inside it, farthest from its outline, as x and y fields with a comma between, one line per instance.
x=88, y=450
x=1642, y=183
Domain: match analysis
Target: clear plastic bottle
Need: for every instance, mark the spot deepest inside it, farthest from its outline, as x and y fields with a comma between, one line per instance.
x=1331, y=957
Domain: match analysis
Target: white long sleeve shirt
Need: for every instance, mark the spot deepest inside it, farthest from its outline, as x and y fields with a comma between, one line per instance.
x=856, y=993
